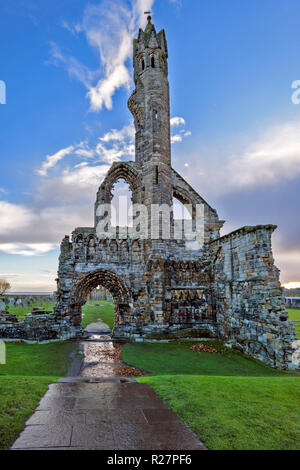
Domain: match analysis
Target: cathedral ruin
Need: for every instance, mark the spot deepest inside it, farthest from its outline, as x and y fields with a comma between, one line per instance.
x=163, y=288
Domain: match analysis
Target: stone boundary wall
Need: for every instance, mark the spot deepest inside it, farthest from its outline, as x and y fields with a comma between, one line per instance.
x=37, y=326
x=250, y=305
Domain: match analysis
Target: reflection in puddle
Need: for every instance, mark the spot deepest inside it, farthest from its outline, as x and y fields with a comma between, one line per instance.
x=101, y=358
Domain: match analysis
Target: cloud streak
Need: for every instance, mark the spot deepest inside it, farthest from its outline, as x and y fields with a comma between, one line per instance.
x=272, y=157
x=109, y=28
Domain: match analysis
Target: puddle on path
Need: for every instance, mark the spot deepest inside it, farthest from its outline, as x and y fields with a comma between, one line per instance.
x=103, y=357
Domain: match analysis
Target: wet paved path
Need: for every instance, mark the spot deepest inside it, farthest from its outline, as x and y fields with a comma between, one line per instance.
x=97, y=410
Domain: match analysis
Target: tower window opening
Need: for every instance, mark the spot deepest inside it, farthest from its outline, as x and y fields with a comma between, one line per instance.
x=155, y=115
x=143, y=64
x=156, y=168
x=152, y=62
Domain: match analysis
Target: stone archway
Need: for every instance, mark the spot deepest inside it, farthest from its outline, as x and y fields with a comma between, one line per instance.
x=119, y=171
x=112, y=282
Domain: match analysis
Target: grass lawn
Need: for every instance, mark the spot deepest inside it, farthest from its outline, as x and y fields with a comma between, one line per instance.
x=24, y=380
x=93, y=310
x=20, y=312
x=19, y=396
x=294, y=314
x=231, y=413
x=176, y=358
x=229, y=400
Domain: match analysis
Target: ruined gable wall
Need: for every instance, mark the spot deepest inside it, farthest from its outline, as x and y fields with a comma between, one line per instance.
x=250, y=308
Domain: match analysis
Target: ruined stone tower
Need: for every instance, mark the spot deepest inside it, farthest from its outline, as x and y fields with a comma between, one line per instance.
x=168, y=287
x=150, y=106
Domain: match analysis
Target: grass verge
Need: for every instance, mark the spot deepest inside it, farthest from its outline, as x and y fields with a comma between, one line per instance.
x=24, y=380
x=229, y=400
x=235, y=413
x=177, y=358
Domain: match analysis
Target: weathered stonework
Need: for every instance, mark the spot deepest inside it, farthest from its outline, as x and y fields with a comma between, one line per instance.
x=227, y=288
x=37, y=326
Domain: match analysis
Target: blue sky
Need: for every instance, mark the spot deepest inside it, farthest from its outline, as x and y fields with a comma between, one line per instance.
x=68, y=73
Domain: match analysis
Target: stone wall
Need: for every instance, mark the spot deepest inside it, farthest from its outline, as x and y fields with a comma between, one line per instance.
x=249, y=300
x=37, y=326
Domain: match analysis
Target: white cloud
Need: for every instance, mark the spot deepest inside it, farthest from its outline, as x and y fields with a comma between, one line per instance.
x=272, y=157
x=109, y=27
x=52, y=160
x=112, y=146
x=288, y=262
x=29, y=249
x=85, y=176
x=64, y=198
x=176, y=138
x=117, y=144
x=120, y=135
x=10, y=276
x=74, y=68
x=177, y=121
x=14, y=216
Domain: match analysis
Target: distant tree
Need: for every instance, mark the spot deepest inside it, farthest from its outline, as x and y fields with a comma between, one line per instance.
x=4, y=286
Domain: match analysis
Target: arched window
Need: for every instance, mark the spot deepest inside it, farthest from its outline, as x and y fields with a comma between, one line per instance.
x=153, y=62
x=121, y=204
x=143, y=64
x=182, y=218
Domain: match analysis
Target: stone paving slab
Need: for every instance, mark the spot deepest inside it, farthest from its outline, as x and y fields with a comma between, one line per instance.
x=105, y=416
x=98, y=410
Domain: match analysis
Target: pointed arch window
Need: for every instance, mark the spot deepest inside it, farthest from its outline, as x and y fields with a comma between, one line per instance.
x=143, y=64
x=153, y=62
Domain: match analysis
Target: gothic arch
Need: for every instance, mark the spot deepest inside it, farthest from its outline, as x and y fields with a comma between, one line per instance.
x=110, y=281
x=119, y=172
x=184, y=198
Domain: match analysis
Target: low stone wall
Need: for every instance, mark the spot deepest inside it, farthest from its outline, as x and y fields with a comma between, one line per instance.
x=37, y=326
x=250, y=304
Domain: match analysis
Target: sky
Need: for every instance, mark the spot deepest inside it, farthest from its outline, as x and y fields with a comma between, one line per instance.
x=235, y=108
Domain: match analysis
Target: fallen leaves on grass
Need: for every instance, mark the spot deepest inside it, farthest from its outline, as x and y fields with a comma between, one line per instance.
x=204, y=348
x=128, y=371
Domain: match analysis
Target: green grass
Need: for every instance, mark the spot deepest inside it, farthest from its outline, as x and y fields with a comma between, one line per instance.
x=176, y=358
x=24, y=380
x=92, y=312
x=51, y=359
x=19, y=396
x=294, y=314
x=231, y=413
x=21, y=312
x=229, y=400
